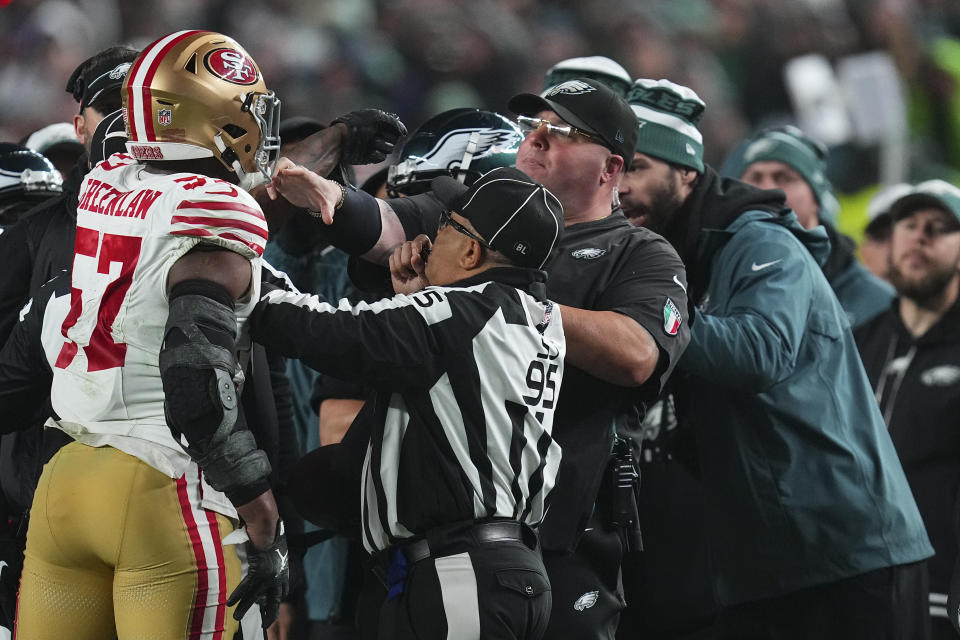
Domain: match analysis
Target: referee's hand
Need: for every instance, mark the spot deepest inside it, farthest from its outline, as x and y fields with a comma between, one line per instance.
x=408, y=264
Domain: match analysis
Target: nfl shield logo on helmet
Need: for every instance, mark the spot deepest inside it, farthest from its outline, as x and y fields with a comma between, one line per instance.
x=164, y=116
x=671, y=318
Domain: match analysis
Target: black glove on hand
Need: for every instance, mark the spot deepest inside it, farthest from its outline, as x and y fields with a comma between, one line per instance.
x=371, y=134
x=267, y=580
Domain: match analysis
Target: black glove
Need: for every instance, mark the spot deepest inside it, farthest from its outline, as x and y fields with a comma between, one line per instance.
x=267, y=580
x=371, y=134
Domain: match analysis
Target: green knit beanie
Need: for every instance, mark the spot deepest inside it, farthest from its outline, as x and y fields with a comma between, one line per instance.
x=599, y=68
x=667, y=114
x=792, y=147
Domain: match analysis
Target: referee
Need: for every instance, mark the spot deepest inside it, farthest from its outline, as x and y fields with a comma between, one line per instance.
x=466, y=361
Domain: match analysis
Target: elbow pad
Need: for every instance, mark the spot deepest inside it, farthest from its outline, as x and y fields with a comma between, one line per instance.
x=202, y=403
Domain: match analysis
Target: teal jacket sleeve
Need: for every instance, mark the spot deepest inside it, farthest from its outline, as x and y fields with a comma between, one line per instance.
x=748, y=336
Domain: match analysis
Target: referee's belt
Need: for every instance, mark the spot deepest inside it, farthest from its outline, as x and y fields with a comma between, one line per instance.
x=458, y=537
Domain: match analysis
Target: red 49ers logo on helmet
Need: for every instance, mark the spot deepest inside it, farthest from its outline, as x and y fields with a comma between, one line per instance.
x=232, y=66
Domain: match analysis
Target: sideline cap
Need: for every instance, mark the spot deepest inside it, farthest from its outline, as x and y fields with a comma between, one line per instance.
x=932, y=194
x=792, y=147
x=599, y=68
x=667, y=115
x=514, y=215
x=587, y=105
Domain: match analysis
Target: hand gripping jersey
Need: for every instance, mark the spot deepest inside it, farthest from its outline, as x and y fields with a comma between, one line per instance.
x=132, y=226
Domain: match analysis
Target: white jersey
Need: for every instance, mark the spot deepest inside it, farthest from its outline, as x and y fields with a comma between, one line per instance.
x=132, y=226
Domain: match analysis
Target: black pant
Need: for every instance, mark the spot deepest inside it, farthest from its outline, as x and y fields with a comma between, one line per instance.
x=587, y=590
x=885, y=604
x=495, y=590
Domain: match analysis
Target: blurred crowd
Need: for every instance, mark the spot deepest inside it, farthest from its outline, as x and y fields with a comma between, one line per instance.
x=419, y=57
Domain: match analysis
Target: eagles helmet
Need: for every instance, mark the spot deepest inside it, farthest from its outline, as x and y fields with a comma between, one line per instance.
x=27, y=178
x=198, y=94
x=464, y=143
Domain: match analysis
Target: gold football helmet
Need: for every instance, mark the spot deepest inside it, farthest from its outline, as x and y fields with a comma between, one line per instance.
x=198, y=94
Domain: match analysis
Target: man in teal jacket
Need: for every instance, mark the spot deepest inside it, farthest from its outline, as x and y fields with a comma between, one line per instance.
x=785, y=158
x=812, y=529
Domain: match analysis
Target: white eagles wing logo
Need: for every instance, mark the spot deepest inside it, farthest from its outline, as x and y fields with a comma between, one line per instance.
x=119, y=71
x=452, y=144
x=570, y=87
x=942, y=376
x=587, y=254
x=586, y=601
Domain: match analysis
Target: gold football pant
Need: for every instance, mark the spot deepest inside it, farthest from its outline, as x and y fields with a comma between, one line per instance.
x=116, y=548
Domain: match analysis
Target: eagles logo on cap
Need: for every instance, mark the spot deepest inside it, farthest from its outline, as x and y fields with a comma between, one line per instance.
x=119, y=71
x=232, y=66
x=570, y=88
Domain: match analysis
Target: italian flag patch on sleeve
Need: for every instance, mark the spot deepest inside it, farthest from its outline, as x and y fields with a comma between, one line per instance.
x=671, y=318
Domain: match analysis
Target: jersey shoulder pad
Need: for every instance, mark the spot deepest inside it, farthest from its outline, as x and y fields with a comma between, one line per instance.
x=219, y=213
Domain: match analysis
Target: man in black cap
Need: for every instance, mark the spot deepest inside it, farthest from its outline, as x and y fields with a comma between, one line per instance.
x=466, y=361
x=41, y=245
x=623, y=295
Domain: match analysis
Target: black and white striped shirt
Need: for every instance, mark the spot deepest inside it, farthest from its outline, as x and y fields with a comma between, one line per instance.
x=466, y=381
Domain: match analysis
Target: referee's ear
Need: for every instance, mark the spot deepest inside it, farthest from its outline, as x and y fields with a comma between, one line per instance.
x=471, y=255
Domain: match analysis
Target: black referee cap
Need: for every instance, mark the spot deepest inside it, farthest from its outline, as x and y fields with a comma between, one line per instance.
x=516, y=216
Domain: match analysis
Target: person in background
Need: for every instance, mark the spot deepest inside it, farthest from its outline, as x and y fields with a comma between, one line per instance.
x=912, y=356
x=59, y=143
x=875, y=248
x=600, y=68
x=27, y=179
x=785, y=158
x=810, y=523
x=41, y=244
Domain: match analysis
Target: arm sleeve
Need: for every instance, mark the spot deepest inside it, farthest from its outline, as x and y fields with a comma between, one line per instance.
x=387, y=344
x=650, y=287
x=753, y=343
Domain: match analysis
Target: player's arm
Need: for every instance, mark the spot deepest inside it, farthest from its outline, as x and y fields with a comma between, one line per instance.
x=365, y=136
x=356, y=222
x=197, y=364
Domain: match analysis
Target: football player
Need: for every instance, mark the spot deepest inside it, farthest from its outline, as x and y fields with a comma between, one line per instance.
x=133, y=530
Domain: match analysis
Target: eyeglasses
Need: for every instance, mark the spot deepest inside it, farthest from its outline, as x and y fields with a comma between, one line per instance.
x=445, y=220
x=528, y=125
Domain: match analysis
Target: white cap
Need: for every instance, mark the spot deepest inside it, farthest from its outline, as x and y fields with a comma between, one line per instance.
x=882, y=200
x=51, y=135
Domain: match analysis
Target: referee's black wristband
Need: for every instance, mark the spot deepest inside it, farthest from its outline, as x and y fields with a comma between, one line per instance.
x=356, y=223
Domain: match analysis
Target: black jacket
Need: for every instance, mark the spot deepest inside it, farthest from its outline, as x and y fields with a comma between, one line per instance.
x=917, y=383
